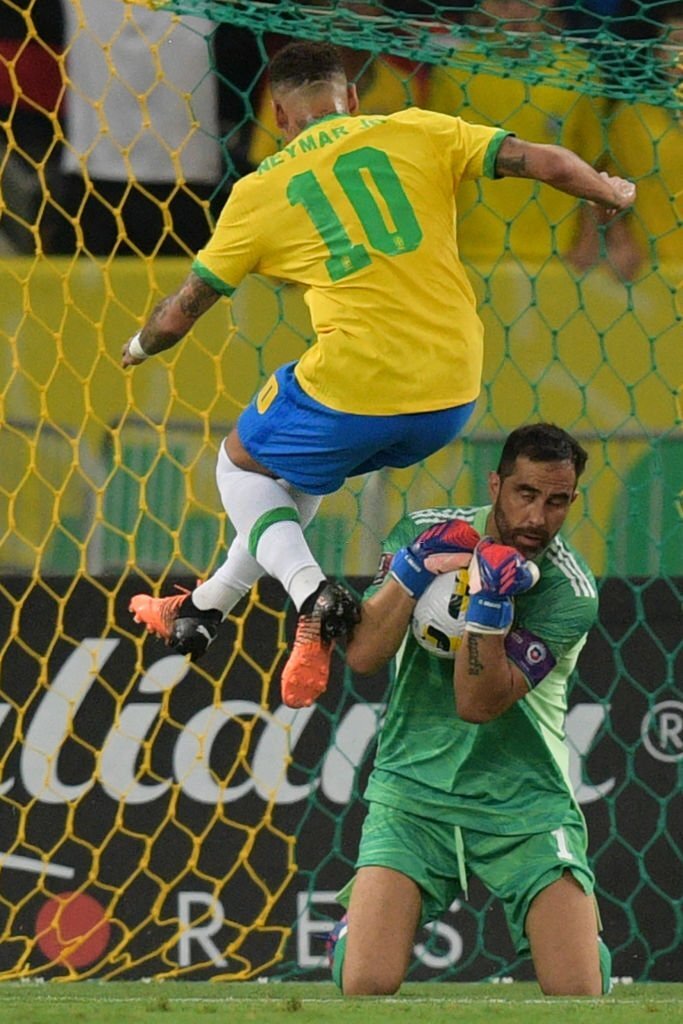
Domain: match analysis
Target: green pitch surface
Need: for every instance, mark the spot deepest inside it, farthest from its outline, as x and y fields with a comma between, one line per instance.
x=298, y=1003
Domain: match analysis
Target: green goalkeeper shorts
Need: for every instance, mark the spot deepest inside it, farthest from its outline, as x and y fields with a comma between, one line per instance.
x=438, y=857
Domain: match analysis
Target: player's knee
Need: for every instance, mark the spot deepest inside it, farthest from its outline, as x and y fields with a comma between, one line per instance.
x=370, y=976
x=371, y=983
x=572, y=987
x=583, y=980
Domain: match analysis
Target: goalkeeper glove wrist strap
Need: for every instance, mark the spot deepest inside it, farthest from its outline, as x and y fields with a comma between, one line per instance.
x=409, y=571
x=488, y=614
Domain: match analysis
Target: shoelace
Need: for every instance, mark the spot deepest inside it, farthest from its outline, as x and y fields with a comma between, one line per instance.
x=307, y=630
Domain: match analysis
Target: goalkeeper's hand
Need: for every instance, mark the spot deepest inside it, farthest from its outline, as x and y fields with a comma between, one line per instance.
x=439, y=549
x=497, y=572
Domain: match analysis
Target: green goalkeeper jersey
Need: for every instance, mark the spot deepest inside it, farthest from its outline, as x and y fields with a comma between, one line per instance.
x=510, y=775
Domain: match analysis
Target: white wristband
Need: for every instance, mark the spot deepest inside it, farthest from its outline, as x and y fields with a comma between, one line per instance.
x=135, y=349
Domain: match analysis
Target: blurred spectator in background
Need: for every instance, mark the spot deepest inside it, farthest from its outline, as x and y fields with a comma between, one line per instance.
x=240, y=57
x=31, y=42
x=142, y=157
x=642, y=20
x=646, y=141
x=429, y=10
x=518, y=217
x=591, y=16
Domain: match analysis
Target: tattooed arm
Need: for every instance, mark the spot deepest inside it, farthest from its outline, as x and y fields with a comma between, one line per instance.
x=170, y=320
x=486, y=682
x=564, y=170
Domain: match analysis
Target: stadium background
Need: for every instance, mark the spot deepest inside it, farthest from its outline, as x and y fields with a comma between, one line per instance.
x=162, y=820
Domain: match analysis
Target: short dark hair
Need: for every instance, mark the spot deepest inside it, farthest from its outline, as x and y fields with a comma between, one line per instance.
x=302, y=62
x=541, y=442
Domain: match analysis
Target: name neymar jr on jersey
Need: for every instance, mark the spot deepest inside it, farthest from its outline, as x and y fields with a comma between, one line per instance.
x=315, y=139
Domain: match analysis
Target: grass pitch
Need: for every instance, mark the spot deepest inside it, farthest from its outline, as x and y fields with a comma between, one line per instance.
x=177, y=1002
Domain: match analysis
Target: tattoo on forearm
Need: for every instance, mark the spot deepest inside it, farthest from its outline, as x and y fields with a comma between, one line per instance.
x=159, y=310
x=475, y=666
x=515, y=166
x=155, y=338
x=192, y=299
x=195, y=297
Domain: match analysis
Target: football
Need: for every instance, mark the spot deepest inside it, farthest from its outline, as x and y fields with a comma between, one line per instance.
x=438, y=621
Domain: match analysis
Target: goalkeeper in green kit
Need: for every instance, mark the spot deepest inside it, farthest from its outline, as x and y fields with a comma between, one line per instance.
x=471, y=773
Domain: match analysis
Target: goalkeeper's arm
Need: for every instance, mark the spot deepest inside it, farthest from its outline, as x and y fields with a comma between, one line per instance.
x=486, y=682
x=170, y=320
x=385, y=615
x=384, y=619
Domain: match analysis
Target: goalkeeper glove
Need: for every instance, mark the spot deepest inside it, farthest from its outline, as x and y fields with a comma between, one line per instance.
x=496, y=573
x=439, y=549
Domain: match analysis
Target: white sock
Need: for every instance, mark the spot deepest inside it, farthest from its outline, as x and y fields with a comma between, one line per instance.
x=230, y=582
x=304, y=583
x=280, y=548
x=284, y=552
x=308, y=504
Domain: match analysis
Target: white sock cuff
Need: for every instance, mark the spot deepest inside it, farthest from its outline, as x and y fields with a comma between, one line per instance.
x=303, y=583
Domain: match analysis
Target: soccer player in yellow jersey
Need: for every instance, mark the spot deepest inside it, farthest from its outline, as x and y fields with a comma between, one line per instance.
x=361, y=211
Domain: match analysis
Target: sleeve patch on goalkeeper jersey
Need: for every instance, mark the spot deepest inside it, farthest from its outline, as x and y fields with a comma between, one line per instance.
x=531, y=655
x=383, y=568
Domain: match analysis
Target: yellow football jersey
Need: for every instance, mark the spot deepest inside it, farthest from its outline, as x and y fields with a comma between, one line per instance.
x=520, y=217
x=361, y=211
x=646, y=144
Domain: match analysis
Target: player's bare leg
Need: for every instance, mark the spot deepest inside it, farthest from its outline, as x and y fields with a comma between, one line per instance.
x=562, y=929
x=383, y=916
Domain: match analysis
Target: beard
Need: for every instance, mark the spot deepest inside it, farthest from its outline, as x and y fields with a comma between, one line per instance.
x=529, y=541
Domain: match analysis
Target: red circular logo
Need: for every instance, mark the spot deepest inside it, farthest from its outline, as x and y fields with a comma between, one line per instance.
x=72, y=929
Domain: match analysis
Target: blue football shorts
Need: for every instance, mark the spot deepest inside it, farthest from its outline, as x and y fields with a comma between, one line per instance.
x=316, y=448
